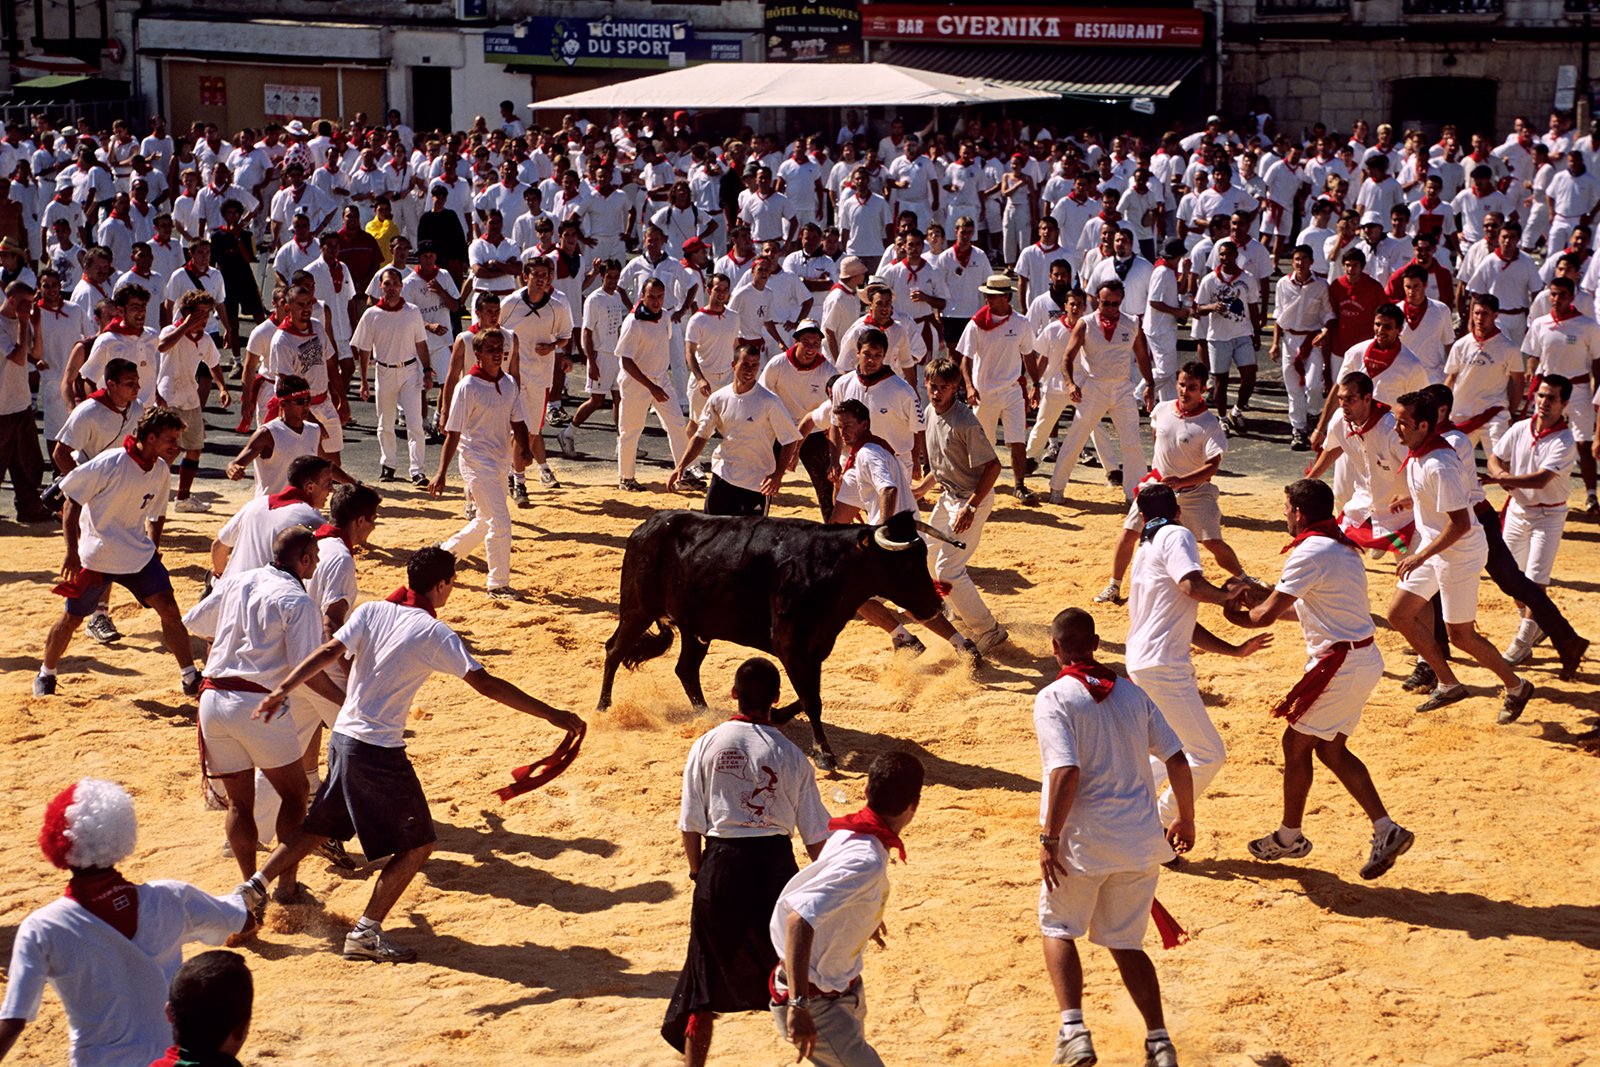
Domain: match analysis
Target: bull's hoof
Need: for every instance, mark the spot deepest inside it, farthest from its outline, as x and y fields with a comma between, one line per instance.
x=825, y=761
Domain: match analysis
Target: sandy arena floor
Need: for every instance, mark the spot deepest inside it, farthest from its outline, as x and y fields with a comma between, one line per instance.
x=551, y=928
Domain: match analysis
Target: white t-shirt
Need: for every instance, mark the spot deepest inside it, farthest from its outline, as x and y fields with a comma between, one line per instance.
x=1482, y=372
x=714, y=338
x=1554, y=451
x=1113, y=824
x=304, y=355
x=1329, y=582
x=603, y=315
x=1237, y=294
x=842, y=895
x=961, y=281
x=175, y=381
x=482, y=252
x=997, y=353
x=749, y=422
x=393, y=649
x=335, y=577
x=1185, y=443
x=114, y=988
x=137, y=348
x=482, y=413
x=648, y=345
x=1376, y=456
x=873, y=471
x=262, y=625
x=390, y=334
x=416, y=291
x=94, y=427
x=745, y=779
x=1439, y=485
x=893, y=405
x=1161, y=616
x=1569, y=347
x=1432, y=338
x=1405, y=375
x=251, y=531
x=272, y=472
x=549, y=322
x=119, y=499
x=902, y=352
x=800, y=391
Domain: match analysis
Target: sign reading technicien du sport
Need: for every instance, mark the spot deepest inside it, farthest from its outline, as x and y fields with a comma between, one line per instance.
x=580, y=42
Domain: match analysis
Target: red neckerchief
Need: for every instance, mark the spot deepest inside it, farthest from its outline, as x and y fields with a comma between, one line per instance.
x=1221, y=277
x=1107, y=328
x=888, y=324
x=292, y=495
x=1177, y=405
x=131, y=446
x=795, y=363
x=410, y=598
x=871, y=439
x=1432, y=444
x=963, y=259
x=1500, y=254
x=1098, y=680
x=1375, y=360
x=327, y=530
x=1540, y=435
x=866, y=821
x=1494, y=331
x=1040, y=245
x=306, y=245
x=119, y=327
x=336, y=273
x=715, y=314
x=1429, y=207
x=105, y=398
x=1163, y=261
x=1572, y=313
x=1379, y=410
x=985, y=320
x=110, y=898
x=1326, y=528
x=477, y=371
x=1413, y=320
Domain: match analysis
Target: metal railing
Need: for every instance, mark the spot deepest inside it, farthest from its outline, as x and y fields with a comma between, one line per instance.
x=1454, y=7
x=1302, y=7
x=98, y=113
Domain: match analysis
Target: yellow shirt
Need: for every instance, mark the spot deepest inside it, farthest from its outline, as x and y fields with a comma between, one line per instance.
x=384, y=231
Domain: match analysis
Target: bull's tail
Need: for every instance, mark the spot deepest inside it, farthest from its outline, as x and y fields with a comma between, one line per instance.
x=647, y=646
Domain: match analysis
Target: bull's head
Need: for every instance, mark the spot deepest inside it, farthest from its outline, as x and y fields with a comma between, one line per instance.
x=900, y=566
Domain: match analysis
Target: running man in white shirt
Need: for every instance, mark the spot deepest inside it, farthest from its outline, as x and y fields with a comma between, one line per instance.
x=1533, y=462
x=1450, y=559
x=1107, y=343
x=1324, y=585
x=1228, y=319
x=393, y=335
x=644, y=353
x=1567, y=343
x=604, y=311
x=997, y=353
x=828, y=912
x=1303, y=321
x=113, y=501
x=1165, y=592
x=799, y=377
x=1484, y=372
x=288, y=434
x=542, y=319
x=188, y=354
x=746, y=790
x=260, y=623
x=754, y=425
x=486, y=421
x=1102, y=839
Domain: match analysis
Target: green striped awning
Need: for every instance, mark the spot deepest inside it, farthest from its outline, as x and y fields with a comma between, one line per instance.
x=1099, y=73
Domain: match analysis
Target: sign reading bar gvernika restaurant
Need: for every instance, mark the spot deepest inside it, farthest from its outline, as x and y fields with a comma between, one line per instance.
x=1008, y=24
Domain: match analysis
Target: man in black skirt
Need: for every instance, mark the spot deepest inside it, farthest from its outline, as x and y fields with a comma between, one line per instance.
x=746, y=789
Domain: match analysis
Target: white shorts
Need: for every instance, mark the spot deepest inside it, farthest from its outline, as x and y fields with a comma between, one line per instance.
x=234, y=741
x=600, y=379
x=1580, y=413
x=1112, y=909
x=332, y=426
x=1338, y=709
x=1232, y=352
x=1456, y=582
x=1199, y=512
x=1533, y=535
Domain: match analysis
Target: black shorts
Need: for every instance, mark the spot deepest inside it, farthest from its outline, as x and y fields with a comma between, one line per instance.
x=725, y=498
x=953, y=329
x=148, y=581
x=371, y=793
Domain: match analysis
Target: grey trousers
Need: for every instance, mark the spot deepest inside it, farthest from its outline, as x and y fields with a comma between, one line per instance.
x=841, y=1030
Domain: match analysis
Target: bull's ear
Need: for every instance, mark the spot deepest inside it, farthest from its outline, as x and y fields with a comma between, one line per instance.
x=864, y=539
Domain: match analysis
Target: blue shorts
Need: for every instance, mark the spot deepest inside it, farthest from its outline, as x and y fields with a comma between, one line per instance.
x=151, y=580
x=371, y=793
x=1234, y=352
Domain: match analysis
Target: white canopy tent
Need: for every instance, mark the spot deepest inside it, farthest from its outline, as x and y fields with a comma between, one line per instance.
x=743, y=86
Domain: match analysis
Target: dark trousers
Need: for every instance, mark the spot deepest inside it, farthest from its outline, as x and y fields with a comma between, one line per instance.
x=814, y=456
x=1503, y=570
x=22, y=461
x=725, y=498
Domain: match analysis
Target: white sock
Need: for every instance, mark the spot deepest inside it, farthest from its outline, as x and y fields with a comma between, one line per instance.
x=1528, y=632
x=544, y=466
x=1072, y=1023
x=1383, y=825
x=1158, y=1034
x=1288, y=835
x=101, y=613
x=958, y=641
x=364, y=924
x=519, y=479
x=189, y=672
x=46, y=672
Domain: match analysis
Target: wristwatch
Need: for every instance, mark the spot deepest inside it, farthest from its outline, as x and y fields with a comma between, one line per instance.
x=1046, y=839
x=799, y=1003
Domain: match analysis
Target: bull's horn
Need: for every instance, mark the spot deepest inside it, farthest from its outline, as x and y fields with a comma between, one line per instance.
x=881, y=536
x=939, y=535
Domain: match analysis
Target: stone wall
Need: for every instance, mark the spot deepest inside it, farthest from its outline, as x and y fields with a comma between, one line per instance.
x=1308, y=81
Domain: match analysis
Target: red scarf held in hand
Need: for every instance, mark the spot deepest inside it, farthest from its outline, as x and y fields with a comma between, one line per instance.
x=131, y=446
x=532, y=776
x=866, y=821
x=292, y=495
x=985, y=319
x=1326, y=528
x=1098, y=680
x=109, y=897
x=327, y=530
x=410, y=598
x=1375, y=360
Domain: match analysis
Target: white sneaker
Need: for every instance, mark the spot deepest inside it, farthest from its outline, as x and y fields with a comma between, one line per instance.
x=1160, y=1053
x=191, y=504
x=1052, y=449
x=568, y=440
x=1111, y=594
x=1517, y=652
x=1270, y=848
x=1074, y=1051
x=370, y=944
x=992, y=638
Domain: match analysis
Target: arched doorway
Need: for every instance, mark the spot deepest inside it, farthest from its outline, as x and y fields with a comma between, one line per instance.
x=1426, y=104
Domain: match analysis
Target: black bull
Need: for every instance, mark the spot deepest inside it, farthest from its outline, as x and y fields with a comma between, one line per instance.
x=785, y=586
